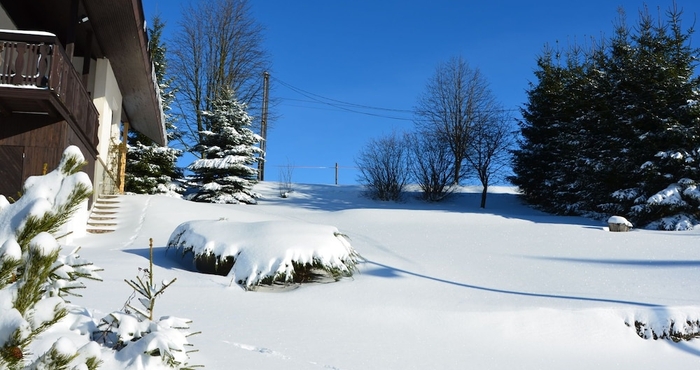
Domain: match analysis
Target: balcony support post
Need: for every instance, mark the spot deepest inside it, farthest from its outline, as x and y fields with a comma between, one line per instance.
x=122, y=158
x=72, y=24
x=87, y=57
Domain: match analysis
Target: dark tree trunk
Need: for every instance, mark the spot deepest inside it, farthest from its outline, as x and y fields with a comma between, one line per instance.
x=483, y=196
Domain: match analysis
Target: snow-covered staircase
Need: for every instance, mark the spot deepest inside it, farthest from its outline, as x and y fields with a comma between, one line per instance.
x=103, y=216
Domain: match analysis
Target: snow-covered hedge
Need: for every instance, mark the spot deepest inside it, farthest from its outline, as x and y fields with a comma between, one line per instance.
x=262, y=253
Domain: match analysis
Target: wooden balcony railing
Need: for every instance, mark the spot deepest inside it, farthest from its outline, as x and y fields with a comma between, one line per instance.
x=36, y=60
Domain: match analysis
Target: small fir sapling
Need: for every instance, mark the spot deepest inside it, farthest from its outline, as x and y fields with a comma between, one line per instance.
x=133, y=331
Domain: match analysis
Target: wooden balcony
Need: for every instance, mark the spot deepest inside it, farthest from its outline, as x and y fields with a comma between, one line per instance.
x=38, y=79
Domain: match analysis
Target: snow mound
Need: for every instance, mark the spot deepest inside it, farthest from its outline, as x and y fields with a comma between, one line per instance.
x=268, y=252
x=619, y=220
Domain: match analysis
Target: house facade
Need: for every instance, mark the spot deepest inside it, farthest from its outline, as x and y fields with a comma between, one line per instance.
x=73, y=72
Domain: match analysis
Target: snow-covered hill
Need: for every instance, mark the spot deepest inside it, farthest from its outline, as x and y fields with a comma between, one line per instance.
x=442, y=286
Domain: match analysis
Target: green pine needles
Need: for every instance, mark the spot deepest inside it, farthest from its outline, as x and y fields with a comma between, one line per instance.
x=32, y=271
x=614, y=128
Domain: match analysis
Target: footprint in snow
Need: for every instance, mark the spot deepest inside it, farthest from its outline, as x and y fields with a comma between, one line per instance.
x=267, y=351
x=262, y=350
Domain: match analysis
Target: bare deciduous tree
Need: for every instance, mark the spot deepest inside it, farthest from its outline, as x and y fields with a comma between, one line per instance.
x=384, y=167
x=218, y=45
x=432, y=167
x=454, y=98
x=489, y=149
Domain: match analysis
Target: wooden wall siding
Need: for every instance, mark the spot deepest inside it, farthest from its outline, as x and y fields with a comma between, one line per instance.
x=36, y=157
x=40, y=143
x=11, y=171
x=30, y=130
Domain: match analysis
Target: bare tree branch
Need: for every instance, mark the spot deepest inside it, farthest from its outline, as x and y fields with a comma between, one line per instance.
x=454, y=99
x=219, y=45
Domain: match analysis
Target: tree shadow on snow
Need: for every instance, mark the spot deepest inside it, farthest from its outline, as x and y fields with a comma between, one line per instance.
x=626, y=262
x=334, y=198
x=386, y=271
x=164, y=258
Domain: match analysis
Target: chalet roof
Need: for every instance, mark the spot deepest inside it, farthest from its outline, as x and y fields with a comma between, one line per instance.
x=119, y=30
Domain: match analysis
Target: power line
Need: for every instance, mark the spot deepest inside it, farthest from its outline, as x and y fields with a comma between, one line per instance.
x=353, y=107
x=316, y=97
x=346, y=106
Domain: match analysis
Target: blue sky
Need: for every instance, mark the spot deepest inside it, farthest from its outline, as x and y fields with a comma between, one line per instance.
x=380, y=53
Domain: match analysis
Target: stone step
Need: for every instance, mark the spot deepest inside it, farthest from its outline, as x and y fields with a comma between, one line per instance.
x=102, y=224
x=103, y=215
x=99, y=231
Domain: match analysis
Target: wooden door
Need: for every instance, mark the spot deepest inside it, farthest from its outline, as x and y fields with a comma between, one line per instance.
x=11, y=168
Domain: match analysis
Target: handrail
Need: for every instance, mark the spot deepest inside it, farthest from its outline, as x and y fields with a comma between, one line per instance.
x=37, y=59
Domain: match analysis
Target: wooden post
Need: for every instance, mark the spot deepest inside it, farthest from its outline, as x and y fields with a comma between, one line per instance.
x=263, y=125
x=87, y=57
x=336, y=173
x=72, y=24
x=122, y=158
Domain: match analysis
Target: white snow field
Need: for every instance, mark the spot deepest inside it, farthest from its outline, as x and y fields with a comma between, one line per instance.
x=442, y=286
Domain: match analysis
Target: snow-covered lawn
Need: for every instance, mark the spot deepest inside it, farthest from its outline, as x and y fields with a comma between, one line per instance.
x=443, y=286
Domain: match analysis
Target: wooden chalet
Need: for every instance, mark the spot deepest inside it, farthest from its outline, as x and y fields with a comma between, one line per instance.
x=73, y=72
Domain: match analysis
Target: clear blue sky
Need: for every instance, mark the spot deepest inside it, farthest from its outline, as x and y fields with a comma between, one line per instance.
x=380, y=53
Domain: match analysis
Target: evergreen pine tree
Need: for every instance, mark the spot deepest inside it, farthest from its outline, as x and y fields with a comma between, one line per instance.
x=33, y=275
x=225, y=173
x=548, y=147
x=616, y=129
x=151, y=169
x=666, y=123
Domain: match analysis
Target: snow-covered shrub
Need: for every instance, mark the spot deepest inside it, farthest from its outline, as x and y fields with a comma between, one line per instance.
x=139, y=340
x=676, y=325
x=34, y=278
x=265, y=253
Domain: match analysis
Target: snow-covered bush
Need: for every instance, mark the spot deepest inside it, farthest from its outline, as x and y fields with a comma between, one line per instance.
x=34, y=278
x=265, y=253
x=676, y=325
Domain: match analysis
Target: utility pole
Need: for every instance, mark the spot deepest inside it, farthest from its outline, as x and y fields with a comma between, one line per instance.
x=263, y=125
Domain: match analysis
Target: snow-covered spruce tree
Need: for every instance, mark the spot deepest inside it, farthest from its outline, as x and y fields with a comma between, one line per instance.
x=549, y=142
x=150, y=168
x=615, y=131
x=661, y=110
x=229, y=149
x=34, y=278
